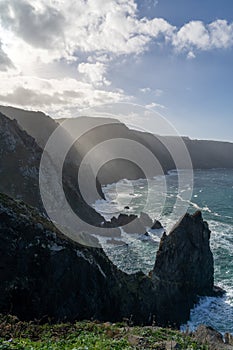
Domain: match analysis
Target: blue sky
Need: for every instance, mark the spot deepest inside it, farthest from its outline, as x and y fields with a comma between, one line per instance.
x=172, y=56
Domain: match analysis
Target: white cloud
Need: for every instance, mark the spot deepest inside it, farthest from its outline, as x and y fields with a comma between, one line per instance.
x=158, y=92
x=53, y=95
x=95, y=73
x=192, y=34
x=145, y=90
x=155, y=105
x=5, y=62
x=40, y=26
x=45, y=41
x=190, y=55
x=221, y=34
x=199, y=36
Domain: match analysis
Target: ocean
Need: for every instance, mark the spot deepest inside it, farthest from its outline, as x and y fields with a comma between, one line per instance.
x=213, y=194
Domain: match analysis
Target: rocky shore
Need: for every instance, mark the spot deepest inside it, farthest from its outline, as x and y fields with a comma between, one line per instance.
x=44, y=275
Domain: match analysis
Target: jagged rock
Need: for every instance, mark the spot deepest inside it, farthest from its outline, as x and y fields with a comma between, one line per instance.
x=46, y=275
x=156, y=225
x=214, y=339
x=228, y=338
x=184, y=269
x=133, y=223
x=20, y=159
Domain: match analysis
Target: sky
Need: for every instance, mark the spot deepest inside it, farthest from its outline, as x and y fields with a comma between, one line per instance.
x=174, y=57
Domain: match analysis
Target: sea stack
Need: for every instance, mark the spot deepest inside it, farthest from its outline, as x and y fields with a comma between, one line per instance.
x=184, y=269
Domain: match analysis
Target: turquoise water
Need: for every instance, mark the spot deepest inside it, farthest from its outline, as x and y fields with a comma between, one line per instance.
x=213, y=194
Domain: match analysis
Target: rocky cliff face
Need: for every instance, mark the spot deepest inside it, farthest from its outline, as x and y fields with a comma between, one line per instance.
x=19, y=163
x=204, y=154
x=45, y=275
x=184, y=267
x=36, y=124
x=20, y=157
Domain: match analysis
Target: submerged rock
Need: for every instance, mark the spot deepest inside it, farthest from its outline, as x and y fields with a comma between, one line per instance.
x=133, y=223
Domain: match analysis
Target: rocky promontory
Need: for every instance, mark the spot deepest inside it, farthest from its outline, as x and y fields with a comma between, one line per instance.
x=45, y=275
x=184, y=268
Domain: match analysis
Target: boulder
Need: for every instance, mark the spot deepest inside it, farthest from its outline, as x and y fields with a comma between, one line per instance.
x=208, y=335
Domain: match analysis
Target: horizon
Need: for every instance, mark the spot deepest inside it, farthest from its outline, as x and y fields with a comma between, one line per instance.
x=174, y=58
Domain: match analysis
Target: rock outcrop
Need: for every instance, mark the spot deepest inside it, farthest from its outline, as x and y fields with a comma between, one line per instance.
x=20, y=157
x=207, y=335
x=133, y=223
x=184, y=268
x=44, y=275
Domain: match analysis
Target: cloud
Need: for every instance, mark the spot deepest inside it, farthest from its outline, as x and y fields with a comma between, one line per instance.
x=221, y=34
x=54, y=95
x=155, y=105
x=192, y=34
x=5, y=62
x=25, y=97
x=199, y=36
x=40, y=26
x=158, y=92
x=95, y=73
x=47, y=41
x=145, y=90
x=190, y=55
x=90, y=26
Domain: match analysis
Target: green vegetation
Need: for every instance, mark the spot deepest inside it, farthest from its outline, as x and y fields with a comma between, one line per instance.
x=86, y=335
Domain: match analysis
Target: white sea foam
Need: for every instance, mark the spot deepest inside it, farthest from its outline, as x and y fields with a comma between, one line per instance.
x=213, y=195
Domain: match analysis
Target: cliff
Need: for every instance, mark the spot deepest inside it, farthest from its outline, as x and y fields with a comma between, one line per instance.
x=20, y=157
x=184, y=268
x=204, y=154
x=45, y=275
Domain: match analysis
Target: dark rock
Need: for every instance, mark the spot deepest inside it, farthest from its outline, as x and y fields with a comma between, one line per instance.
x=183, y=269
x=228, y=338
x=208, y=335
x=133, y=223
x=156, y=225
x=204, y=154
x=126, y=207
x=116, y=242
x=46, y=275
x=20, y=159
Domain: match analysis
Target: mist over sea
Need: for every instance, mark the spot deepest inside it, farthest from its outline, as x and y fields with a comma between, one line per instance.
x=213, y=194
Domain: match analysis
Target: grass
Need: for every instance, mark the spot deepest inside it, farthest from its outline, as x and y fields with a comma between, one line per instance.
x=87, y=335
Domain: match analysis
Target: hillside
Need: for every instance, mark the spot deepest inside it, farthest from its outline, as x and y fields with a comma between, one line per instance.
x=204, y=154
x=20, y=157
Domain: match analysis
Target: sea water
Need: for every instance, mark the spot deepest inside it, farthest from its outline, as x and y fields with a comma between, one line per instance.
x=213, y=194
